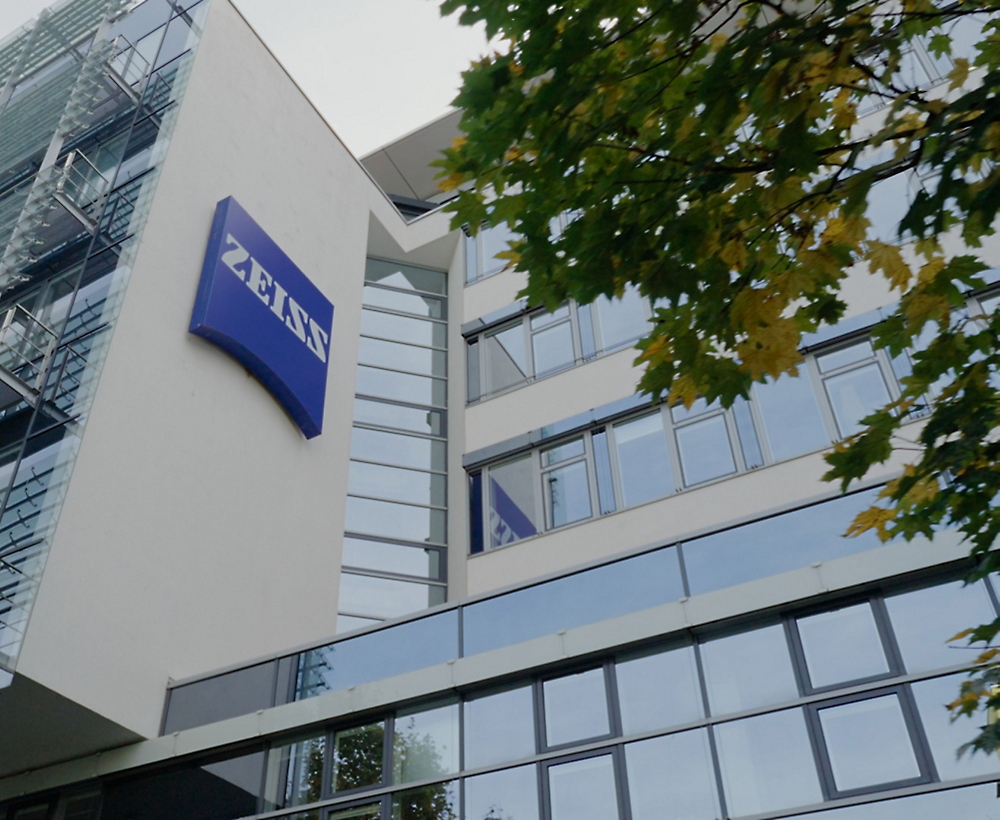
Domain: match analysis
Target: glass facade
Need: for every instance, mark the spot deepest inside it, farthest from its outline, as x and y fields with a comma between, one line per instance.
x=88, y=97
x=396, y=524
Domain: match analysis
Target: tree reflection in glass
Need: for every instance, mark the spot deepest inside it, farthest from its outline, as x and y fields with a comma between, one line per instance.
x=357, y=757
x=425, y=744
x=436, y=802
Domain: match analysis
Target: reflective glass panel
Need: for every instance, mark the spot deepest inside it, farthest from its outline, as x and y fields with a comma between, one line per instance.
x=767, y=763
x=495, y=240
x=842, y=645
x=657, y=691
x=499, y=727
x=406, y=277
x=415, y=419
x=643, y=460
x=506, y=358
x=357, y=757
x=792, y=422
x=403, y=451
x=391, y=520
x=294, y=774
x=583, y=790
x=567, y=493
x=511, y=794
x=426, y=306
x=576, y=707
x=388, y=384
x=348, y=623
x=552, y=349
x=944, y=735
x=403, y=329
x=378, y=555
x=437, y=802
x=383, y=598
x=562, y=452
x=925, y=619
x=513, y=511
x=396, y=484
x=868, y=743
x=748, y=670
x=698, y=407
x=845, y=356
x=621, y=320
x=425, y=743
x=672, y=778
x=975, y=802
x=705, y=450
x=540, y=320
x=855, y=395
x=602, y=468
x=371, y=812
x=422, y=360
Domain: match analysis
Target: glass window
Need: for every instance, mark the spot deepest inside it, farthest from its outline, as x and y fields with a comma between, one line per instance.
x=602, y=468
x=672, y=778
x=511, y=794
x=576, y=707
x=396, y=484
x=767, y=763
x=499, y=727
x=239, y=692
x=422, y=360
x=294, y=774
x=369, y=812
x=378, y=555
x=845, y=356
x=506, y=358
x=513, y=513
x=395, y=520
x=403, y=329
x=552, y=348
x=705, y=450
x=621, y=321
x=643, y=460
x=567, y=494
x=792, y=421
x=425, y=743
x=854, y=395
x=657, y=691
x=975, y=802
x=474, y=387
x=402, y=451
x=868, y=743
x=495, y=240
x=944, y=735
x=425, y=306
x=748, y=670
x=383, y=598
x=357, y=757
x=437, y=802
x=562, y=452
x=583, y=790
x=384, y=414
x=842, y=645
x=925, y=619
x=406, y=277
x=388, y=384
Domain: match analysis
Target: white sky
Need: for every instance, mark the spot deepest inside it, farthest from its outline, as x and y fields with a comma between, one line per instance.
x=375, y=69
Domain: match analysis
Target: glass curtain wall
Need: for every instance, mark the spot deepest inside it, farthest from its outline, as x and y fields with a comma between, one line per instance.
x=88, y=96
x=395, y=539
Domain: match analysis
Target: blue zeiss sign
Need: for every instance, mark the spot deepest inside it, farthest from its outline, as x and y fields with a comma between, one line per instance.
x=255, y=304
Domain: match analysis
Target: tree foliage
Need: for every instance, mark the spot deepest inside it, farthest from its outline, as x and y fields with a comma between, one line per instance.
x=721, y=156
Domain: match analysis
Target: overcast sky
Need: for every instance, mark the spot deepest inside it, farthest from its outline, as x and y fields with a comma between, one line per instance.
x=374, y=68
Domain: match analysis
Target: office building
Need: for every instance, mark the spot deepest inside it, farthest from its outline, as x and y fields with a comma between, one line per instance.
x=374, y=539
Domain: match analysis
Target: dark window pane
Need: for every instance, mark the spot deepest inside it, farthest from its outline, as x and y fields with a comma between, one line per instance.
x=413, y=419
x=357, y=757
x=476, y=543
x=499, y=727
x=748, y=670
x=425, y=743
x=294, y=775
x=643, y=461
x=778, y=544
x=221, y=697
x=511, y=794
x=576, y=707
x=767, y=763
x=583, y=790
x=672, y=778
x=425, y=306
x=925, y=619
x=513, y=513
x=406, y=277
x=401, y=648
x=437, y=802
x=792, y=422
x=868, y=743
x=658, y=691
x=371, y=812
x=842, y=645
x=584, y=598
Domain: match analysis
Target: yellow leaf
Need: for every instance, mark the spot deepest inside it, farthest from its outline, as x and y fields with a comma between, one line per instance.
x=929, y=271
x=960, y=73
x=889, y=260
x=770, y=349
x=717, y=41
x=734, y=254
x=963, y=634
x=848, y=230
x=874, y=518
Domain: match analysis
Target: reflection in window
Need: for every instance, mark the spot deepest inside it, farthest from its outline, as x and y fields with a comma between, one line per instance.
x=792, y=422
x=425, y=743
x=767, y=763
x=658, y=691
x=552, y=348
x=576, y=707
x=567, y=494
x=621, y=321
x=748, y=670
x=436, y=802
x=583, y=790
x=390, y=520
x=855, y=391
x=842, y=645
x=868, y=743
x=357, y=757
x=399, y=450
x=672, y=778
x=381, y=598
x=506, y=358
x=499, y=727
x=513, y=513
x=370, y=812
x=294, y=774
x=511, y=794
x=406, y=277
x=705, y=450
x=643, y=460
